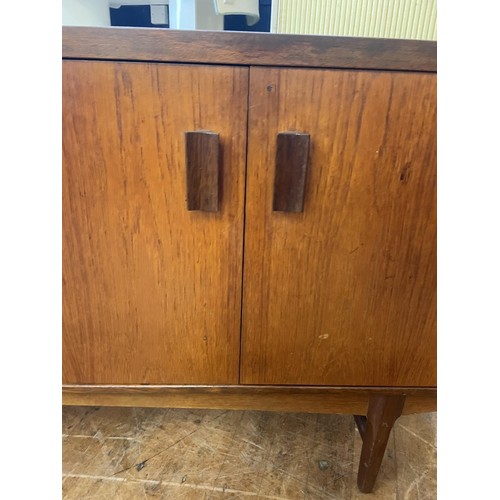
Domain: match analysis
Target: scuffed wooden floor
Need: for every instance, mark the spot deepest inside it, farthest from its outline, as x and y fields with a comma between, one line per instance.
x=141, y=453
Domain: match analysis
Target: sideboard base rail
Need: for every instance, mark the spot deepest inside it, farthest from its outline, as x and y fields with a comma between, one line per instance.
x=375, y=409
x=295, y=399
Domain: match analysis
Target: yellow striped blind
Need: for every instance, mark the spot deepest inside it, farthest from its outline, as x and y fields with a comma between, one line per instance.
x=411, y=19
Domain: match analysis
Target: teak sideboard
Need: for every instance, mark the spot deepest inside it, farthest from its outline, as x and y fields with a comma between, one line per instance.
x=249, y=222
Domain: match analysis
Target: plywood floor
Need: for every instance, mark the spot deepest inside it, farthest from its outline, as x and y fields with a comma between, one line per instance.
x=139, y=453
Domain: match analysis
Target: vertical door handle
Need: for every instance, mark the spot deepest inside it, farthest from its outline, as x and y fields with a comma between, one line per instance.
x=292, y=151
x=202, y=170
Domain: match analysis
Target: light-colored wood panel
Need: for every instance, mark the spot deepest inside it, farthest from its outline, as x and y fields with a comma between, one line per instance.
x=266, y=398
x=151, y=291
x=131, y=453
x=344, y=292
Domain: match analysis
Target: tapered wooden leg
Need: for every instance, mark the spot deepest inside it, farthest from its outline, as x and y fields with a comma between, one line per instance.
x=383, y=411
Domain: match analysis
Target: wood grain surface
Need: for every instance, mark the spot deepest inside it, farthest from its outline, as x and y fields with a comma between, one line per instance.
x=343, y=293
x=186, y=454
x=347, y=400
x=260, y=49
x=151, y=291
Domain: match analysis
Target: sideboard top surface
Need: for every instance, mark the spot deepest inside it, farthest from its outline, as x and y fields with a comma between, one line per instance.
x=247, y=48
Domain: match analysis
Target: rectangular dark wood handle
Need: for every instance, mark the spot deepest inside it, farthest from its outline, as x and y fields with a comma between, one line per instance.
x=292, y=151
x=202, y=170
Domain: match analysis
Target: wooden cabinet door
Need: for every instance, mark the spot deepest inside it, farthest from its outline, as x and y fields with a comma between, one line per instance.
x=342, y=293
x=151, y=291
